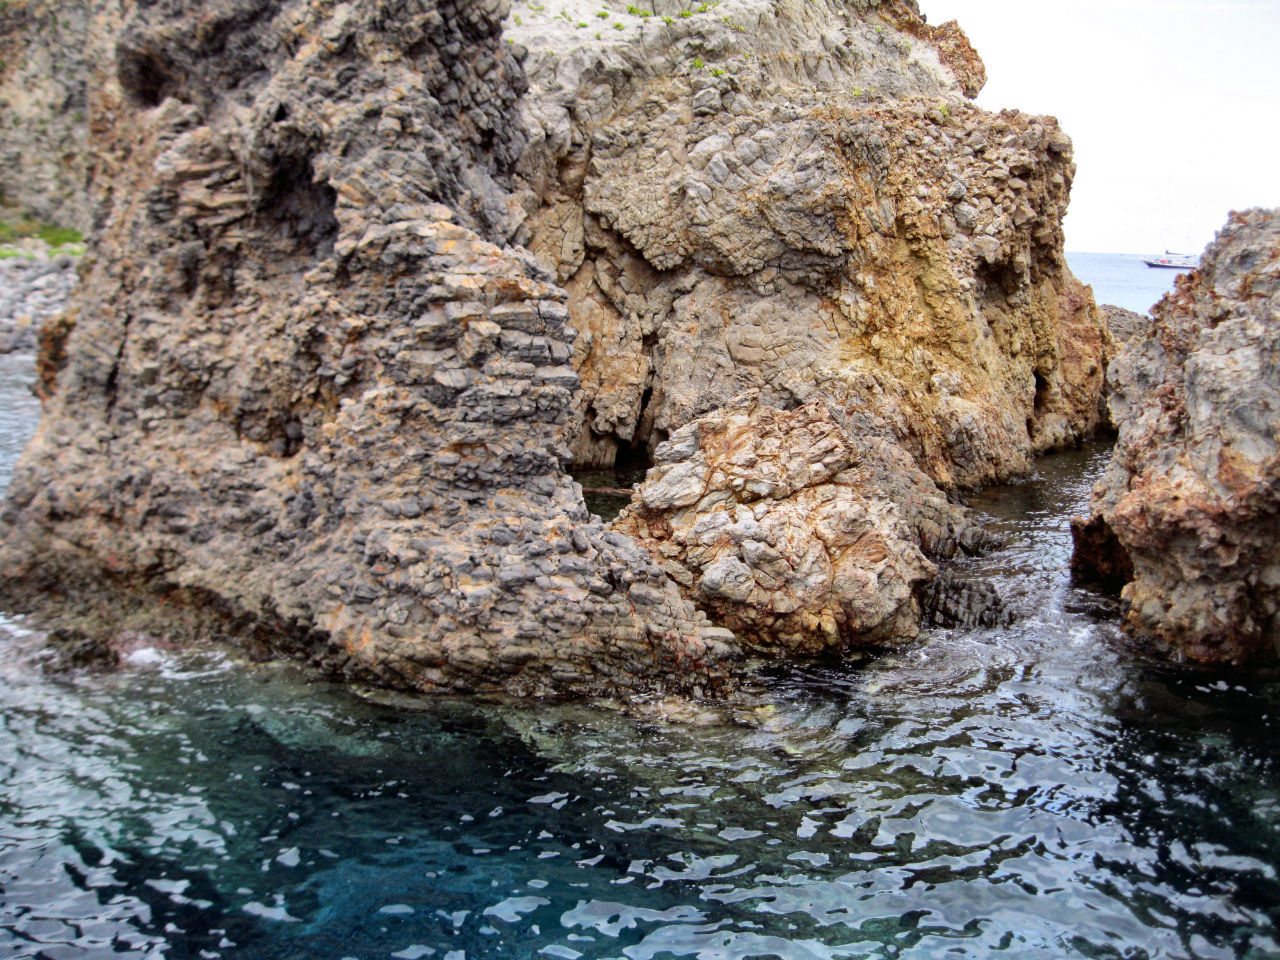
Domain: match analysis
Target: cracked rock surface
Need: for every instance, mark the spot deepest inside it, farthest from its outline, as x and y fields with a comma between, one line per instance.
x=797, y=533
x=301, y=398
x=1186, y=516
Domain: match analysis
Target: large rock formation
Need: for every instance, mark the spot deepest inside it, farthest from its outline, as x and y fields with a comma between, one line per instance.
x=304, y=401
x=45, y=55
x=795, y=196
x=313, y=390
x=1188, y=512
x=795, y=199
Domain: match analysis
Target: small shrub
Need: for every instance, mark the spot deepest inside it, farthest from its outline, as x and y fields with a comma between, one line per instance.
x=59, y=236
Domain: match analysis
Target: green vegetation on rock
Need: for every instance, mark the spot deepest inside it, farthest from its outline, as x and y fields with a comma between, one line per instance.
x=16, y=226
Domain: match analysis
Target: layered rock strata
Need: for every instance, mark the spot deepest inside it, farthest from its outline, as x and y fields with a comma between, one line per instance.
x=786, y=526
x=1186, y=516
x=796, y=197
x=45, y=55
x=301, y=399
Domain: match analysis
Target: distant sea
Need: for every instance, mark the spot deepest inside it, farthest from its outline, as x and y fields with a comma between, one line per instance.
x=1122, y=279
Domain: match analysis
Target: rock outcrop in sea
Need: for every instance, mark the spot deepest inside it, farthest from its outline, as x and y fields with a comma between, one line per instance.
x=1185, y=517
x=304, y=400
x=368, y=276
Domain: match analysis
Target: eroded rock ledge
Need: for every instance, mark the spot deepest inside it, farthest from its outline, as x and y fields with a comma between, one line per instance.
x=1186, y=516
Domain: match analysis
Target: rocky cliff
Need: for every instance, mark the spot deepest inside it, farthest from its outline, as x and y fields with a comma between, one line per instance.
x=795, y=196
x=45, y=51
x=795, y=200
x=303, y=400
x=363, y=286
x=1185, y=517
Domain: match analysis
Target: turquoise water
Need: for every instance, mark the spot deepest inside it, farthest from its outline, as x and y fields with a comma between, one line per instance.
x=1039, y=791
x=1123, y=279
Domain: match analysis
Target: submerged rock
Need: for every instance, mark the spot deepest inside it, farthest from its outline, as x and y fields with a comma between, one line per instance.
x=1187, y=511
x=70, y=649
x=950, y=600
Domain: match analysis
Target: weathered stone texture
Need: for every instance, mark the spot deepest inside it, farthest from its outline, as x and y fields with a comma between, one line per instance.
x=796, y=197
x=1187, y=510
x=800, y=534
x=312, y=390
x=46, y=48
x=303, y=399
x=1125, y=324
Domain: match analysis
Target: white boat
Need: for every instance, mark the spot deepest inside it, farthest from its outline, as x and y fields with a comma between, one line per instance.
x=1174, y=261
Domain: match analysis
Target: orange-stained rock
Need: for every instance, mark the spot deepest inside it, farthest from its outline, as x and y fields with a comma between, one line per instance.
x=798, y=198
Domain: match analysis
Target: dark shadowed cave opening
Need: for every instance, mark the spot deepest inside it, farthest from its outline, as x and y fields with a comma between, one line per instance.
x=300, y=208
x=143, y=78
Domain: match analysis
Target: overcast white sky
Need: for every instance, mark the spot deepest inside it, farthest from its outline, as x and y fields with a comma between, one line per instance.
x=1173, y=105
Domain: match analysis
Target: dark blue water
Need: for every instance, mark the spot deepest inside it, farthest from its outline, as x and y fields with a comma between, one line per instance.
x=1035, y=792
x=1123, y=279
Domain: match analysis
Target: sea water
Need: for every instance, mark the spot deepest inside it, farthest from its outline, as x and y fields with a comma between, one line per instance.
x=1123, y=279
x=1036, y=791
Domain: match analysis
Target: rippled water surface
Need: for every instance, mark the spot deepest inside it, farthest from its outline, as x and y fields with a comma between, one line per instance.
x=1038, y=791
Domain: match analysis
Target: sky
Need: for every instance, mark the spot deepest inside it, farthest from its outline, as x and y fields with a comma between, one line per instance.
x=1173, y=106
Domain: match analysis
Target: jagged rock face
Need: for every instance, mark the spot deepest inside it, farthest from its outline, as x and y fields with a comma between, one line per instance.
x=796, y=197
x=44, y=70
x=1187, y=510
x=785, y=527
x=301, y=398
